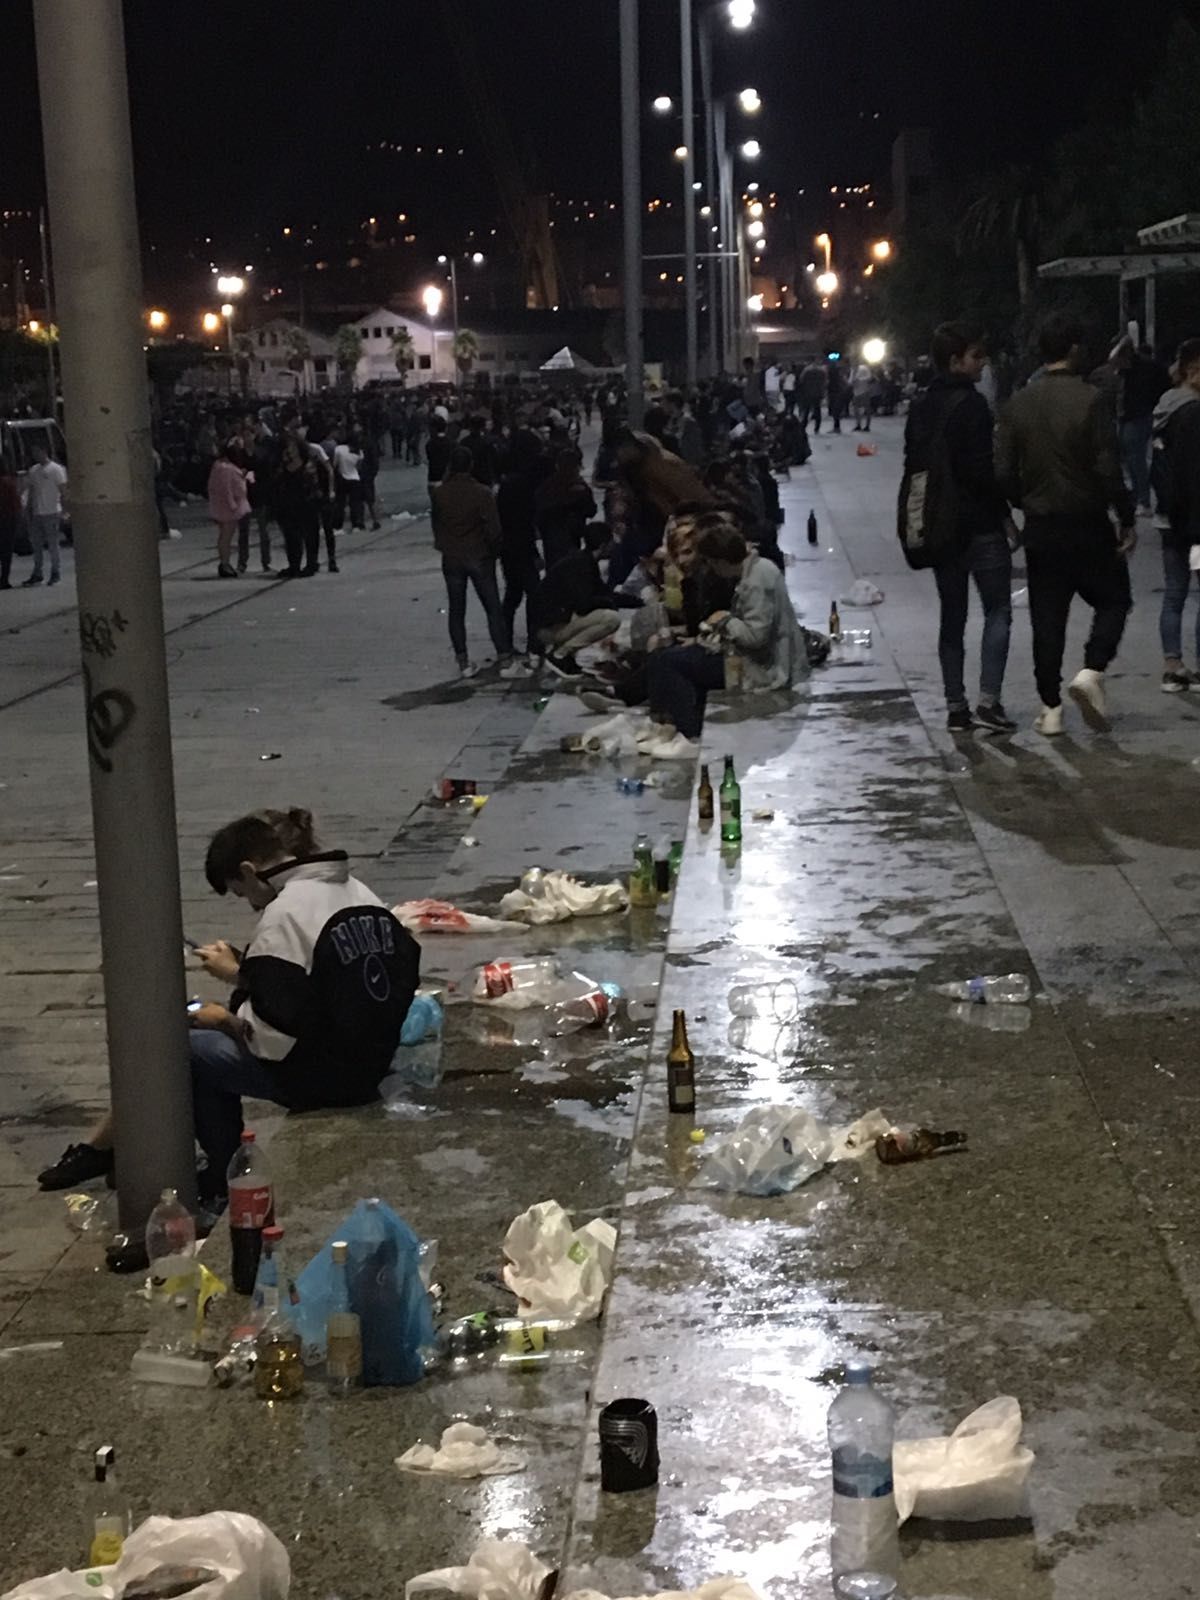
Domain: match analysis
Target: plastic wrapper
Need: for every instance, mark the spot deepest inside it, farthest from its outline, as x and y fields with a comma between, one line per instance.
x=498, y=1569
x=439, y=916
x=863, y=593
x=978, y=1474
x=465, y=1451
x=556, y=1270
x=773, y=1150
x=557, y=897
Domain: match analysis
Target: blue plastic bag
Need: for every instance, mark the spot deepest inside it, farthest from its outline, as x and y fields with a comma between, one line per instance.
x=383, y=1269
x=424, y=1020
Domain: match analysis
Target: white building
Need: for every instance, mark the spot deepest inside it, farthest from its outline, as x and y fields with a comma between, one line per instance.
x=432, y=358
x=287, y=359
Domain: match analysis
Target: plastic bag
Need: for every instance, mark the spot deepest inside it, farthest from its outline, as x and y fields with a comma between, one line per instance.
x=556, y=1270
x=559, y=897
x=863, y=593
x=773, y=1149
x=439, y=916
x=978, y=1474
x=247, y=1558
x=424, y=1021
x=383, y=1269
x=465, y=1451
x=497, y=1569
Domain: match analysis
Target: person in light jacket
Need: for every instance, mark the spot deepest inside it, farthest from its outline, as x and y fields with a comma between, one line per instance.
x=760, y=627
x=228, y=503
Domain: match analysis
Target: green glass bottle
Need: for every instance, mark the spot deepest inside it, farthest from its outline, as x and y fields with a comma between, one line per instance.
x=731, y=806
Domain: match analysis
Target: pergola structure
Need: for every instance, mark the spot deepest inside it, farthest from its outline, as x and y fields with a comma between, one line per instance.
x=1143, y=269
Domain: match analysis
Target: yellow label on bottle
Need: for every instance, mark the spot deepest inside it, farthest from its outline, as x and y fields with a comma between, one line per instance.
x=526, y=1341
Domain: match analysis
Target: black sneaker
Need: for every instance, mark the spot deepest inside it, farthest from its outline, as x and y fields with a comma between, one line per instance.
x=1177, y=681
x=994, y=718
x=32, y=582
x=79, y=1163
x=564, y=666
x=959, y=720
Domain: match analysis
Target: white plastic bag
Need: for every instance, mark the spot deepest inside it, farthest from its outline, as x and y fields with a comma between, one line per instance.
x=863, y=593
x=465, y=1451
x=440, y=916
x=248, y=1559
x=978, y=1474
x=556, y=1270
x=497, y=1569
x=560, y=897
x=773, y=1149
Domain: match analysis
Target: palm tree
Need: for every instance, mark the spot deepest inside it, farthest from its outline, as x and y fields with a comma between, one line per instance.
x=402, y=349
x=466, y=350
x=1008, y=212
x=348, y=345
x=243, y=346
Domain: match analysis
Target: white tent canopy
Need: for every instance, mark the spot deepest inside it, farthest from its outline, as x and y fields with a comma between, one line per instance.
x=567, y=360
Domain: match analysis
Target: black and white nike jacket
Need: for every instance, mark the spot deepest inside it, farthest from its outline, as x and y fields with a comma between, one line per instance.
x=325, y=984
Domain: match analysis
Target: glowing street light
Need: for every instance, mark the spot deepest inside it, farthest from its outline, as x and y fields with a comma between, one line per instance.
x=755, y=208
x=882, y=249
x=759, y=246
x=752, y=149
x=741, y=13
x=874, y=352
x=157, y=320
x=211, y=322
x=750, y=101
x=431, y=299
x=34, y=325
x=477, y=258
x=663, y=104
x=755, y=303
x=827, y=284
x=681, y=152
x=755, y=230
x=231, y=286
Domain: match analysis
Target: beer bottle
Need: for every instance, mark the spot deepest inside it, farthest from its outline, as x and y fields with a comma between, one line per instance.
x=812, y=527
x=681, y=1069
x=641, y=880
x=731, y=806
x=914, y=1144
x=705, y=795
x=835, y=622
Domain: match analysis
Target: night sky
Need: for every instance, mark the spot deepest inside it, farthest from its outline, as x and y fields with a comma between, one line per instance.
x=307, y=85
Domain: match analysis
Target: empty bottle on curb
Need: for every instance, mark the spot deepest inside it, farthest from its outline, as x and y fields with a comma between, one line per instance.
x=731, y=805
x=812, y=527
x=278, y=1366
x=1010, y=990
x=343, y=1330
x=704, y=796
x=835, y=622
x=489, y=982
x=864, y=1549
x=641, y=880
x=734, y=668
x=251, y=1209
x=681, y=1069
x=109, y=1517
x=662, y=869
x=174, y=1276
x=779, y=1000
x=915, y=1144
x=587, y=1007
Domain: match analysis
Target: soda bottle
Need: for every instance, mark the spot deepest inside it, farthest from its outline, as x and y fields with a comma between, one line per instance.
x=109, y=1516
x=681, y=1069
x=502, y=977
x=278, y=1368
x=662, y=869
x=583, y=1004
x=914, y=1144
x=641, y=880
x=1010, y=990
x=675, y=860
x=812, y=527
x=835, y=622
x=704, y=796
x=731, y=806
x=864, y=1548
x=174, y=1276
x=343, y=1331
x=251, y=1209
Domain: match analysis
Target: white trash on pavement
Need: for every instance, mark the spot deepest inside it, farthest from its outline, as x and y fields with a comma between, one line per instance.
x=978, y=1474
x=497, y=1569
x=557, y=897
x=556, y=1270
x=465, y=1452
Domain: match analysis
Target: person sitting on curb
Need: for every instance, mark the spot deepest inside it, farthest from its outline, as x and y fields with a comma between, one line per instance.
x=319, y=995
x=573, y=607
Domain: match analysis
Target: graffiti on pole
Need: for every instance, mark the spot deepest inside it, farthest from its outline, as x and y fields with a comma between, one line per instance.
x=109, y=715
x=97, y=633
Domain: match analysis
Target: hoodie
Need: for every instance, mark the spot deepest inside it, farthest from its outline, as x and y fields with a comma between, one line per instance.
x=325, y=984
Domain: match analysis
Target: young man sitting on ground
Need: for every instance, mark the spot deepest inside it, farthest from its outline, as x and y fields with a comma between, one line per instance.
x=573, y=607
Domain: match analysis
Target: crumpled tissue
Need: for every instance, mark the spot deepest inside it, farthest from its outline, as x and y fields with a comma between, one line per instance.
x=439, y=916
x=857, y=1139
x=714, y=1589
x=775, y=1149
x=978, y=1474
x=497, y=1569
x=465, y=1452
x=556, y=897
x=863, y=593
x=556, y=1270
x=619, y=735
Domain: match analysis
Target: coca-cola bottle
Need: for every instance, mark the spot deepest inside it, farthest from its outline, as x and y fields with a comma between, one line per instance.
x=251, y=1209
x=502, y=977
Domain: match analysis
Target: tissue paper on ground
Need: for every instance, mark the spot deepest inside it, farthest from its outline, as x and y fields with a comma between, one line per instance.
x=465, y=1452
x=978, y=1474
x=497, y=1569
x=440, y=916
x=559, y=897
x=556, y=1270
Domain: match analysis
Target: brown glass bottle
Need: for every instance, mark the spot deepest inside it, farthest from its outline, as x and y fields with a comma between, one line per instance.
x=835, y=622
x=914, y=1144
x=681, y=1069
x=704, y=796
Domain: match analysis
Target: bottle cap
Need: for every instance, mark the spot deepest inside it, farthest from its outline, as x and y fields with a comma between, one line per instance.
x=858, y=1372
x=274, y=1233
x=339, y=1249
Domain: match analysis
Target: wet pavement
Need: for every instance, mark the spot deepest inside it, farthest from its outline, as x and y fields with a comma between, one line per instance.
x=1053, y=1260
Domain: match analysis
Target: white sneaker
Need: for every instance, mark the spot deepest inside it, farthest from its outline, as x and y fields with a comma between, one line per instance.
x=1049, y=721
x=1087, y=690
x=515, y=669
x=676, y=748
x=174, y=533
x=468, y=669
x=620, y=731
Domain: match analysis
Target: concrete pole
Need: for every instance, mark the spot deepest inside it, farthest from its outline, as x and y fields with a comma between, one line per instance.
x=1150, y=325
x=89, y=171
x=691, y=292
x=48, y=312
x=711, y=189
x=454, y=313
x=631, y=190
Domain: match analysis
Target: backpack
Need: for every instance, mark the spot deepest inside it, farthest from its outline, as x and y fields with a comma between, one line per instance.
x=927, y=515
x=1162, y=473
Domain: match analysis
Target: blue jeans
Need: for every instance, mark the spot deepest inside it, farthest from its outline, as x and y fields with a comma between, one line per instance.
x=986, y=559
x=1177, y=578
x=1135, y=456
x=678, y=680
x=482, y=574
x=223, y=1070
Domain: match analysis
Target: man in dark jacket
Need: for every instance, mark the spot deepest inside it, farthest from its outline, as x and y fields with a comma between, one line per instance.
x=1178, y=479
x=953, y=405
x=1057, y=458
x=573, y=607
x=466, y=532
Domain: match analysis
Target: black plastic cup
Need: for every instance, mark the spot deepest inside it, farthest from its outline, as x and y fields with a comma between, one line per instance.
x=628, y=1446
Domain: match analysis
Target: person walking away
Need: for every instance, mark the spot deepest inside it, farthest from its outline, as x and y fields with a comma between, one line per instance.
x=1142, y=382
x=437, y=451
x=1057, y=459
x=11, y=514
x=518, y=527
x=752, y=385
x=862, y=392
x=812, y=386
x=396, y=426
x=839, y=396
x=298, y=493
x=789, y=391
x=1177, y=485
x=573, y=607
x=326, y=510
x=262, y=457
x=954, y=409
x=368, y=471
x=564, y=506
x=483, y=451
x=467, y=534
x=348, y=488
x=228, y=503
x=415, y=420
x=45, y=486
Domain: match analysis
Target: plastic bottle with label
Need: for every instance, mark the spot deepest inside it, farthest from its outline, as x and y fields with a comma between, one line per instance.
x=343, y=1330
x=174, y=1276
x=251, y=1209
x=864, y=1546
x=495, y=978
x=1010, y=990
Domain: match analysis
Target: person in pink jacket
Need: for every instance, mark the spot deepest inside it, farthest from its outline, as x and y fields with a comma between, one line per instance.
x=228, y=503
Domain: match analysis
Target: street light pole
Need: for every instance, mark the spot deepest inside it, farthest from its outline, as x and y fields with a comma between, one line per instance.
x=688, y=99
x=631, y=193
x=454, y=316
x=48, y=303
x=711, y=188
x=89, y=170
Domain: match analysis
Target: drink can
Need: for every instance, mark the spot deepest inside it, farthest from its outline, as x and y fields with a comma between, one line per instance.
x=447, y=789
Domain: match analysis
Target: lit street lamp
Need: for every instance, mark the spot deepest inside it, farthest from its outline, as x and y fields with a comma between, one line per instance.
x=827, y=284
x=210, y=322
x=750, y=102
x=431, y=299
x=663, y=104
x=754, y=303
x=874, y=352
x=451, y=261
x=755, y=230
x=741, y=13
x=681, y=152
x=882, y=249
x=230, y=287
x=752, y=149
x=157, y=320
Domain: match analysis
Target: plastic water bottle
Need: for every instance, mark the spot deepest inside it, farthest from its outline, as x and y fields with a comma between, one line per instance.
x=779, y=1001
x=583, y=1004
x=174, y=1276
x=502, y=977
x=865, y=1547
x=1010, y=990
x=631, y=786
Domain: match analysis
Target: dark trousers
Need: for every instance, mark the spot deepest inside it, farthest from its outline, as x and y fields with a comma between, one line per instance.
x=520, y=569
x=679, y=679
x=350, y=493
x=8, y=540
x=1064, y=560
x=482, y=576
x=986, y=559
x=810, y=410
x=223, y=1070
x=330, y=522
x=262, y=516
x=301, y=537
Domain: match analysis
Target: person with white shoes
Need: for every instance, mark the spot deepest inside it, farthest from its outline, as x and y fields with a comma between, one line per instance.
x=45, y=488
x=1057, y=458
x=1177, y=483
x=468, y=536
